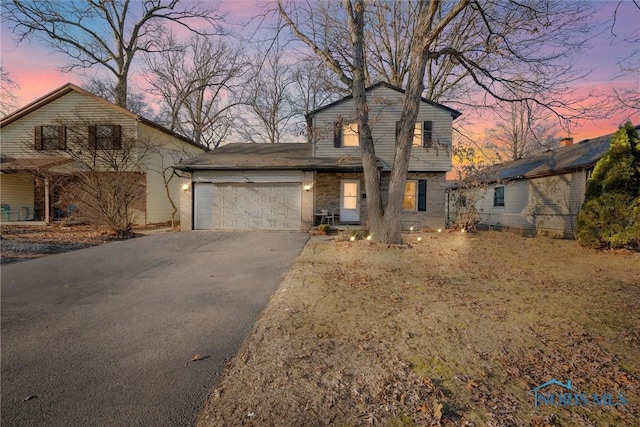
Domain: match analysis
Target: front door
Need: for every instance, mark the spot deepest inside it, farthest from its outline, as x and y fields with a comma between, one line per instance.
x=350, y=201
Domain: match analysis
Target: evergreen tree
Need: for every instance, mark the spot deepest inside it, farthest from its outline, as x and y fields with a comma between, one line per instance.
x=610, y=215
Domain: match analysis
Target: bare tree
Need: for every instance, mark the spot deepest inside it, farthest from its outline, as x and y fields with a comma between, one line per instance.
x=503, y=44
x=136, y=101
x=269, y=97
x=197, y=82
x=629, y=65
x=314, y=86
x=106, y=181
x=7, y=92
x=105, y=33
x=471, y=185
x=520, y=129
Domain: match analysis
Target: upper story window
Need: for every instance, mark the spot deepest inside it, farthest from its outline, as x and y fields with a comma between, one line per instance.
x=345, y=135
x=105, y=137
x=415, y=195
x=50, y=137
x=498, y=196
x=422, y=134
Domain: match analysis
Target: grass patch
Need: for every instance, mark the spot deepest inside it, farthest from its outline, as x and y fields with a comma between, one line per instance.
x=455, y=329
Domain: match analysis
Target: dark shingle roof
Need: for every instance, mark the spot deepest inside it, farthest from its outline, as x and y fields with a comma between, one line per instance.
x=584, y=154
x=267, y=157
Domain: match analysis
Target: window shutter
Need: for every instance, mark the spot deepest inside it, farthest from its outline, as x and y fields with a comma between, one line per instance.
x=62, y=137
x=38, y=138
x=427, y=130
x=337, y=134
x=92, y=137
x=422, y=194
x=117, y=137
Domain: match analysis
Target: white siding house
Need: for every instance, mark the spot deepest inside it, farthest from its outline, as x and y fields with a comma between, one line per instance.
x=41, y=141
x=538, y=194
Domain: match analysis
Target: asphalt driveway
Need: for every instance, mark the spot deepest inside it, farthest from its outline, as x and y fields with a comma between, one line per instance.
x=105, y=336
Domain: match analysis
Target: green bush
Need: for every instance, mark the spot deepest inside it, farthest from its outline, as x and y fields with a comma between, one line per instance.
x=610, y=215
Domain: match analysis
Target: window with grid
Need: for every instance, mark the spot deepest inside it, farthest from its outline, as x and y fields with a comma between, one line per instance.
x=105, y=137
x=50, y=137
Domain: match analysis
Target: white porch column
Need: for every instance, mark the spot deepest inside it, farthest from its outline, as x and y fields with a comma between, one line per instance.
x=46, y=200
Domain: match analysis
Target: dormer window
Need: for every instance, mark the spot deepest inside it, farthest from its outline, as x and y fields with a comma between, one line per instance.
x=345, y=135
x=50, y=137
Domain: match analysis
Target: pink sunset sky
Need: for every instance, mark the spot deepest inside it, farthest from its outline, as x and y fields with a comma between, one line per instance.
x=34, y=67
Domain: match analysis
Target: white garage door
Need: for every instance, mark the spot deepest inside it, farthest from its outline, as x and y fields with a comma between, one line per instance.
x=268, y=206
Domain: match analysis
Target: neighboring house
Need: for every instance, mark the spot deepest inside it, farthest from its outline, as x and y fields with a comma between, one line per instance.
x=288, y=186
x=41, y=143
x=538, y=194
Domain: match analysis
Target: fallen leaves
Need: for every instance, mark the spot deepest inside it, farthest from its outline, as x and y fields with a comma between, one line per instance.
x=338, y=346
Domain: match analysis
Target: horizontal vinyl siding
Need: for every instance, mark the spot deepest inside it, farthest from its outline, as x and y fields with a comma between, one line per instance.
x=385, y=109
x=511, y=215
x=167, y=151
x=72, y=109
x=556, y=201
x=16, y=190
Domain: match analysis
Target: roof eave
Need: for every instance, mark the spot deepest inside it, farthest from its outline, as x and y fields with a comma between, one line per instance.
x=454, y=113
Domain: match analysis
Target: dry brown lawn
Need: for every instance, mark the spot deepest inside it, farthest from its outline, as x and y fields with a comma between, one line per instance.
x=454, y=330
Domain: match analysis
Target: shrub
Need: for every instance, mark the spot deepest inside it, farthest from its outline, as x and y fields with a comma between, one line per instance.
x=610, y=215
x=324, y=228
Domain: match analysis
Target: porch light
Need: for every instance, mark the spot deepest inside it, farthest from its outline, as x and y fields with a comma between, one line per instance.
x=307, y=187
x=185, y=187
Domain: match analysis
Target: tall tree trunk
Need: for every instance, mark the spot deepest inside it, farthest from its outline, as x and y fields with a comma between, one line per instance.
x=120, y=92
x=411, y=103
x=375, y=209
x=392, y=232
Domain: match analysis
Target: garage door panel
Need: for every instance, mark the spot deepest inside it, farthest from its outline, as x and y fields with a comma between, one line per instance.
x=275, y=206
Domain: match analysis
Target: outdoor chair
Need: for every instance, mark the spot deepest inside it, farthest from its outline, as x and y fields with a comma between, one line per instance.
x=327, y=215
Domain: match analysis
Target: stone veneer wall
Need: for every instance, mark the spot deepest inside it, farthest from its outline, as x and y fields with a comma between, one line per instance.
x=327, y=195
x=434, y=216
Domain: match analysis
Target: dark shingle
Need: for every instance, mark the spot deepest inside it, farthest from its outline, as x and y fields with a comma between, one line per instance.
x=582, y=155
x=267, y=156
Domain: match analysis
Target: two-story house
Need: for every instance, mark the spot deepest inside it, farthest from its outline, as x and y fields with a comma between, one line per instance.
x=294, y=186
x=59, y=135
